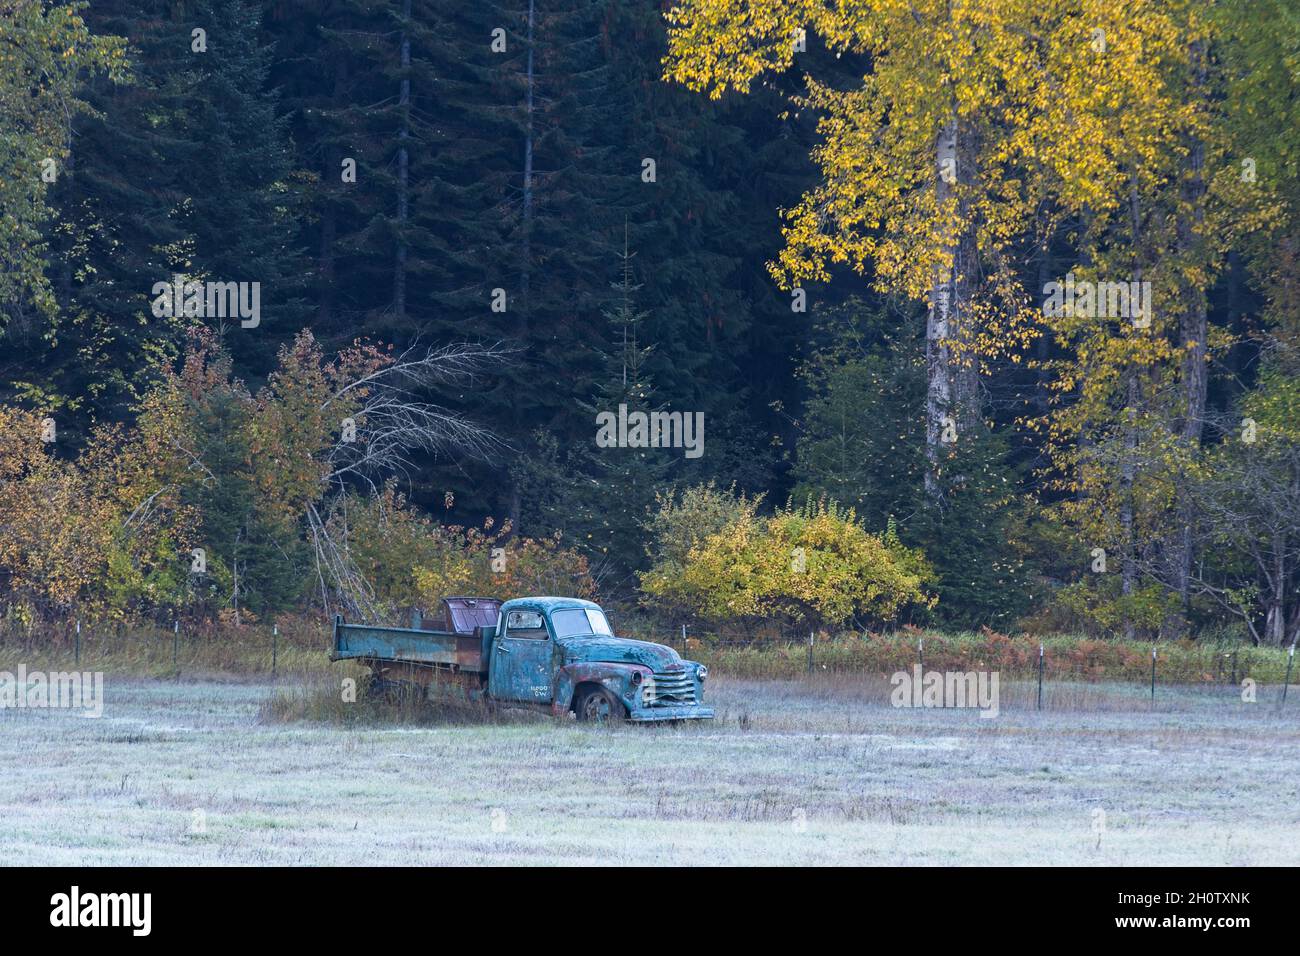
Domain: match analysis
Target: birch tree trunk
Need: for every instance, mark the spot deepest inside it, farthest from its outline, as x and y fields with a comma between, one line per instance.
x=941, y=321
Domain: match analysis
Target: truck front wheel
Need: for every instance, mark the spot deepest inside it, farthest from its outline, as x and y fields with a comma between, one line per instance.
x=598, y=706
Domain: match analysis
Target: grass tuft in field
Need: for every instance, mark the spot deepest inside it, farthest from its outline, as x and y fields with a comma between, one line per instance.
x=323, y=702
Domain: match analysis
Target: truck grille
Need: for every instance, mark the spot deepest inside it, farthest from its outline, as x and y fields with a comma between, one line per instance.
x=672, y=687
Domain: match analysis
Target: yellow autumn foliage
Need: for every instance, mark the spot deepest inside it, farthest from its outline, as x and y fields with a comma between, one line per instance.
x=811, y=565
x=410, y=559
x=101, y=533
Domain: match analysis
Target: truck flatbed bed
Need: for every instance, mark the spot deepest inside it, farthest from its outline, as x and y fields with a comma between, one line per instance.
x=462, y=652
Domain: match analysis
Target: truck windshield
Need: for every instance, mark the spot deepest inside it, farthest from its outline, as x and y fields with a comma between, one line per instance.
x=575, y=622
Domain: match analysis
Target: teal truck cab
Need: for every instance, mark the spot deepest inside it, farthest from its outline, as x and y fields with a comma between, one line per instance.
x=546, y=652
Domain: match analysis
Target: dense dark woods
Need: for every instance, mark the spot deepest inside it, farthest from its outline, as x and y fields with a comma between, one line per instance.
x=478, y=231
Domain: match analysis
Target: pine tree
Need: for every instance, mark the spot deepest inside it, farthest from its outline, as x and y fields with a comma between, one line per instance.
x=625, y=480
x=599, y=497
x=235, y=165
x=184, y=171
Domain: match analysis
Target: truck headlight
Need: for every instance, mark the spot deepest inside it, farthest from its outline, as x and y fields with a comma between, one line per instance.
x=701, y=672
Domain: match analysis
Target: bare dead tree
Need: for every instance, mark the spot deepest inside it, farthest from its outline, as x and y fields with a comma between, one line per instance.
x=396, y=419
x=337, y=573
x=393, y=419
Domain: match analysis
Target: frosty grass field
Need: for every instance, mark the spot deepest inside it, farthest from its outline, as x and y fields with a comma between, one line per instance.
x=824, y=772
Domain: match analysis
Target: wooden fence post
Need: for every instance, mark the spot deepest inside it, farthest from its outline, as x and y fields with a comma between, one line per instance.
x=1290, y=659
x=1040, y=676
x=1153, y=673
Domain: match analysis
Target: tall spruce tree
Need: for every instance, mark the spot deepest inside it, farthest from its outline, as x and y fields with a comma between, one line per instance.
x=184, y=171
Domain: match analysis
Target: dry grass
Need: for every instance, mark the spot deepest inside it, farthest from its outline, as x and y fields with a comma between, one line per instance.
x=1066, y=658
x=792, y=772
x=299, y=652
x=324, y=702
x=302, y=654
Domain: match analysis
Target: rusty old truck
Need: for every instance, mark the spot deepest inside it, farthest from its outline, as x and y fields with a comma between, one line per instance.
x=552, y=653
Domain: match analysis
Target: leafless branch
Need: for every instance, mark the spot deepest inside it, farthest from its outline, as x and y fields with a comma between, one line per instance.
x=395, y=419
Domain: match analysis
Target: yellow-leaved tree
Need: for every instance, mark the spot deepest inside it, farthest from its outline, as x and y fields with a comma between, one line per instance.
x=934, y=162
x=1164, y=204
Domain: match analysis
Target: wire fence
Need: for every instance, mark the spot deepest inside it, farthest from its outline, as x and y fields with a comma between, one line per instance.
x=161, y=650
x=1019, y=658
x=301, y=646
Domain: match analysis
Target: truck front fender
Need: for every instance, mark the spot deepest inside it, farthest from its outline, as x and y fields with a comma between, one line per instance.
x=616, y=678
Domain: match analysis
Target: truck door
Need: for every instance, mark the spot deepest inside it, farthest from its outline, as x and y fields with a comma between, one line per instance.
x=521, y=659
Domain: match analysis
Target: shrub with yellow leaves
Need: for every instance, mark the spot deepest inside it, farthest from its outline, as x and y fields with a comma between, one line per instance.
x=813, y=565
x=103, y=533
x=409, y=559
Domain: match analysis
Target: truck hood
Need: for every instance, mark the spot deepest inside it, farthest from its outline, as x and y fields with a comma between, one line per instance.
x=622, y=650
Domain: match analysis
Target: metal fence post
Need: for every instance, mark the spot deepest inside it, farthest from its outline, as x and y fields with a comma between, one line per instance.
x=78, y=644
x=1290, y=659
x=920, y=654
x=1153, y=673
x=176, y=639
x=810, y=653
x=1040, y=676
x=275, y=648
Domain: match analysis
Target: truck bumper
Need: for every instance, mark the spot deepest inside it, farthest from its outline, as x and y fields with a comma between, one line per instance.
x=682, y=712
